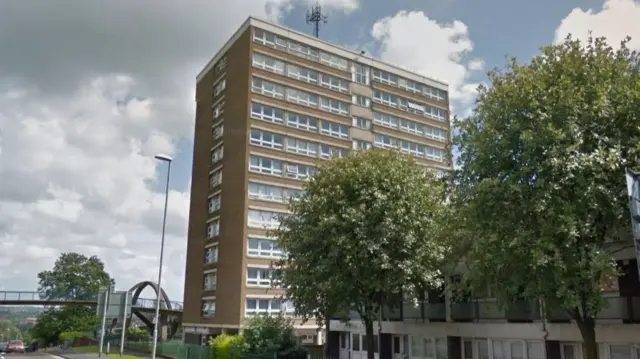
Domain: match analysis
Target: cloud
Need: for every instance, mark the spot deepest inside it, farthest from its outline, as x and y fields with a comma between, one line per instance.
x=441, y=52
x=89, y=92
x=616, y=20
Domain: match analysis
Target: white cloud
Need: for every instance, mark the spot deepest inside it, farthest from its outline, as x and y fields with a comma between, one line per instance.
x=439, y=54
x=616, y=20
x=85, y=102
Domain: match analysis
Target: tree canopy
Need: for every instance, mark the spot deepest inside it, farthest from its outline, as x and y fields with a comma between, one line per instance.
x=74, y=276
x=55, y=321
x=366, y=230
x=541, y=187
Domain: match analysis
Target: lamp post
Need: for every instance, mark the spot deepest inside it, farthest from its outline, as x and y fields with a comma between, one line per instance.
x=156, y=319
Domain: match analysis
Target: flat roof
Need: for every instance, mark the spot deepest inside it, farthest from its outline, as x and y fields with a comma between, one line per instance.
x=322, y=45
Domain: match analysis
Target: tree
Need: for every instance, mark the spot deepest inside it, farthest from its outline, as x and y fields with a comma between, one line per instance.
x=366, y=230
x=266, y=335
x=228, y=346
x=9, y=331
x=55, y=321
x=74, y=276
x=541, y=188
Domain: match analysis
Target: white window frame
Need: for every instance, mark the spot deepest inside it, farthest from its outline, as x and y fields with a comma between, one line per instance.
x=210, y=280
x=260, y=281
x=386, y=98
x=262, y=219
x=327, y=151
x=440, y=156
x=208, y=308
x=302, y=147
x=303, y=74
x=267, y=195
x=260, y=168
x=362, y=123
x=334, y=106
x=361, y=100
x=293, y=171
x=274, y=252
x=222, y=84
x=261, y=138
x=386, y=120
x=302, y=97
x=267, y=88
x=306, y=125
x=217, y=154
x=361, y=145
x=213, y=229
x=221, y=65
x=211, y=254
x=215, y=179
x=262, y=37
x=330, y=131
x=304, y=51
x=379, y=141
x=360, y=74
x=268, y=63
x=274, y=307
x=265, y=117
x=218, y=131
x=334, y=61
x=218, y=110
x=214, y=203
x=385, y=77
x=334, y=83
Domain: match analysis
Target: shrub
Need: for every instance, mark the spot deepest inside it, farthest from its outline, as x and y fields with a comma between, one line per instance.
x=228, y=346
x=267, y=335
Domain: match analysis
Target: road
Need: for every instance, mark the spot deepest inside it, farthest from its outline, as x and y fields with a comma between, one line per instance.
x=36, y=355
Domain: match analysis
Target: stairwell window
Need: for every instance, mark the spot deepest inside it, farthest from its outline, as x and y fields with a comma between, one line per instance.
x=211, y=255
x=218, y=131
x=214, y=203
x=210, y=281
x=266, y=139
x=267, y=113
x=267, y=88
x=362, y=101
x=218, y=110
x=213, y=229
x=215, y=179
x=265, y=165
x=216, y=154
x=362, y=123
x=360, y=74
x=219, y=88
x=208, y=308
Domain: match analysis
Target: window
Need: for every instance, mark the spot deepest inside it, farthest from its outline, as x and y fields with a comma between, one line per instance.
x=268, y=63
x=620, y=352
x=384, y=141
x=334, y=83
x=334, y=129
x=435, y=154
x=219, y=88
x=305, y=51
x=272, y=193
x=385, y=98
x=265, y=165
x=267, y=113
x=361, y=145
x=214, y=203
x=299, y=171
x=263, y=247
x=327, y=151
x=208, y=308
x=210, y=281
x=360, y=100
x=361, y=123
x=266, y=139
x=267, y=88
x=360, y=74
x=264, y=306
x=335, y=106
x=259, y=277
x=535, y=350
x=218, y=110
x=385, y=77
x=437, y=134
x=355, y=342
x=411, y=127
x=412, y=148
x=263, y=219
x=384, y=119
x=269, y=39
x=410, y=86
x=221, y=65
x=213, y=229
x=302, y=74
x=215, y=179
x=218, y=131
x=434, y=93
x=216, y=154
x=334, y=61
x=211, y=255
x=302, y=97
x=302, y=147
x=302, y=122
x=436, y=113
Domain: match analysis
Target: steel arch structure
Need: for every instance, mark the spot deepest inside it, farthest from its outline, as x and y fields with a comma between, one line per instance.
x=165, y=303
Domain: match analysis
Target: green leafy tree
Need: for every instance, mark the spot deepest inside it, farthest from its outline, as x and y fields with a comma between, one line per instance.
x=228, y=346
x=266, y=335
x=55, y=321
x=366, y=230
x=137, y=334
x=9, y=331
x=541, y=183
x=74, y=276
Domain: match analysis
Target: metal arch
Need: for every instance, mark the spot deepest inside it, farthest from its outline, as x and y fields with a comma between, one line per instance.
x=138, y=288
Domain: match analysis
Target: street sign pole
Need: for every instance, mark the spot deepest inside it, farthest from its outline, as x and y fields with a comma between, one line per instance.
x=633, y=189
x=124, y=323
x=104, y=319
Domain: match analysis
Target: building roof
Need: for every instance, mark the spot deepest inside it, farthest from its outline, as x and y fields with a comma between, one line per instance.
x=322, y=45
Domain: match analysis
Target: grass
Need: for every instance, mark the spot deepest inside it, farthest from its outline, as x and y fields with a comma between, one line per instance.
x=94, y=349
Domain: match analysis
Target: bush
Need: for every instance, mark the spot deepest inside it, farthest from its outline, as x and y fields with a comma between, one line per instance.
x=228, y=346
x=266, y=335
x=137, y=334
x=70, y=336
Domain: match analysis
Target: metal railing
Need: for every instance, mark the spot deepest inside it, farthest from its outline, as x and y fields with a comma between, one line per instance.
x=37, y=297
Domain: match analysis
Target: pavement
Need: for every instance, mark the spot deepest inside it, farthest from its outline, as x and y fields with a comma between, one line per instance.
x=35, y=355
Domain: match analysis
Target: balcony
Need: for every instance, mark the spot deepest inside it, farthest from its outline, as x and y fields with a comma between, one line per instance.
x=626, y=309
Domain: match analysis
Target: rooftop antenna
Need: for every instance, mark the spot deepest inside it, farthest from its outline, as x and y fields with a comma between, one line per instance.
x=315, y=16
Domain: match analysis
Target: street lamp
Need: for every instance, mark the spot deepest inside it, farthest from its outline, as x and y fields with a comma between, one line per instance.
x=167, y=159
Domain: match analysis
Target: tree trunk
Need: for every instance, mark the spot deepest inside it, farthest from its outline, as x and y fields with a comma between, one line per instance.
x=327, y=326
x=587, y=328
x=368, y=329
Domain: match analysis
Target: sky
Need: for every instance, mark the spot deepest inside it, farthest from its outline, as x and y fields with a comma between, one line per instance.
x=90, y=91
